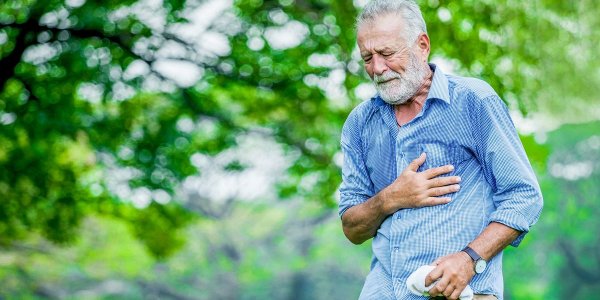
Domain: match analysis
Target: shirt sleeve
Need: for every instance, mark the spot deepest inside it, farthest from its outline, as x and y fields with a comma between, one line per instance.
x=356, y=185
x=517, y=196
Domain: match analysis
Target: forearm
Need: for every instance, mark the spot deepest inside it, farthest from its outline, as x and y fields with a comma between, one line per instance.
x=361, y=222
x=494, y=238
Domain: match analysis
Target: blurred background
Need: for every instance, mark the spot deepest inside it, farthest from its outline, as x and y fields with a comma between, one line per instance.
x=161, y=149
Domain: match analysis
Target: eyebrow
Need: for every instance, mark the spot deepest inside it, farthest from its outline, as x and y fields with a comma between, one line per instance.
x=380, y=50
x=385, y=49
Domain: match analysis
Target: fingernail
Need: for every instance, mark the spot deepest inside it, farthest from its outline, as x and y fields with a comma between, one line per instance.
x=451, y=168
x=459, y=179
x=457, y=188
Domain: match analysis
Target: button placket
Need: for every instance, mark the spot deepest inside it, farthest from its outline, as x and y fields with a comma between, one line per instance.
x=398, y=259
x=401, y=162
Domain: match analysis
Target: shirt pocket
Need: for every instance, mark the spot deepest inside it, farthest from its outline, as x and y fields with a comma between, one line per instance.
x=440, y=154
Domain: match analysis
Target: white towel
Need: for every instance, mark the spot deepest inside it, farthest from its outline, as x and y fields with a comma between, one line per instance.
x=416, y=283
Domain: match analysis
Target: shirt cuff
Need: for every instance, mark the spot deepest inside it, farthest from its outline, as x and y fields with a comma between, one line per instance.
x=348, y=201
x=514, y=220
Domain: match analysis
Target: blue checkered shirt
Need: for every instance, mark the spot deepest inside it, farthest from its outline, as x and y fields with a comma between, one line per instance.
x=464, y=123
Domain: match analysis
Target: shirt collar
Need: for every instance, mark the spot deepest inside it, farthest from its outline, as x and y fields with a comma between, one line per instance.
x=437, y=90
x=439, y=85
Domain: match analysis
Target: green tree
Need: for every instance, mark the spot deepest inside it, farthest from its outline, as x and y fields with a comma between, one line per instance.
x=129, y=109
x=75, y=111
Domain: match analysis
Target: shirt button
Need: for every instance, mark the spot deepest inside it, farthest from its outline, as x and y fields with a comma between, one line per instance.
x=396, y=249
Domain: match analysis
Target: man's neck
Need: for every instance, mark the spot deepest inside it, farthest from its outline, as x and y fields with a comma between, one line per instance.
x=407, y=111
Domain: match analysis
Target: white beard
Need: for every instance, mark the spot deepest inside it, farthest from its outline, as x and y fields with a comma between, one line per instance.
x=405, y=86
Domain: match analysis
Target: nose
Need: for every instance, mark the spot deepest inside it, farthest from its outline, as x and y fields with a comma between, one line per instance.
x=379, y=65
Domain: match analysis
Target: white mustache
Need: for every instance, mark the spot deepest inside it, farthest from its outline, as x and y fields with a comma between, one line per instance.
x=387, y=76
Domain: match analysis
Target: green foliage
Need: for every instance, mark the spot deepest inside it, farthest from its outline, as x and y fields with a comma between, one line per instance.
x=536, y=152
x=94, y=131
x=557, y=258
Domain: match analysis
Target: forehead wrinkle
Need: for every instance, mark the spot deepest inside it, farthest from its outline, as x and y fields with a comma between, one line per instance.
x=374, y=46
x=381, y=36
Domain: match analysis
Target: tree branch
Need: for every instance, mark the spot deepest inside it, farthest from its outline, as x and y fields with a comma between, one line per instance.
x=581, y=272
x=10, y=62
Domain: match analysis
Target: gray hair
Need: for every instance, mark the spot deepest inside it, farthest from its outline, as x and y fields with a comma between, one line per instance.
x=408, y=9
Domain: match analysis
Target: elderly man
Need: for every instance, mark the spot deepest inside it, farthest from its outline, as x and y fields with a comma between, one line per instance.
x=434, y=170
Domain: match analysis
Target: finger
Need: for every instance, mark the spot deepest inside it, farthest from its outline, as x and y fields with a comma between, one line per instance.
x=434, y=192
x=455, y=294
x=443, y=181
x=415, y=164
x=439, y=287
x=431, y=201
x=435, y=172
x=434, y=275
x=448, y=291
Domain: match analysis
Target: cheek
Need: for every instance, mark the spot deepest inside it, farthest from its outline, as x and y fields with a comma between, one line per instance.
x=398, y=66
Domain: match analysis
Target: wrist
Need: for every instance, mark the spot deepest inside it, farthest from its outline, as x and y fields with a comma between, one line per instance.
x=479, y=263
x=384, y=202
x=467, y=259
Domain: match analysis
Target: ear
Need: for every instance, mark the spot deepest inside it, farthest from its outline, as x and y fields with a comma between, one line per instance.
x=424, y=46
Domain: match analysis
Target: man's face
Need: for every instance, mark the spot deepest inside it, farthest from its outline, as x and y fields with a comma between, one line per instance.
x=397, y=68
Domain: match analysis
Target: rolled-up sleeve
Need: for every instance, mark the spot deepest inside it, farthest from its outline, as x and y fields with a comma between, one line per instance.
x=517, y=196
x=356, y=185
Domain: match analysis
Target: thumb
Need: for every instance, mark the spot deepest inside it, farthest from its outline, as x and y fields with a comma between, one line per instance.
x=415, y=164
